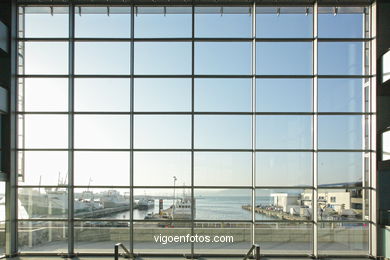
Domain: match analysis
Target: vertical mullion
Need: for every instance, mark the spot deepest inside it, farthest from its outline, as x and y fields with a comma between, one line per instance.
x=253, y=119
x=315, y=130
x=131, y=241
x=192, y=124
x=71, y=132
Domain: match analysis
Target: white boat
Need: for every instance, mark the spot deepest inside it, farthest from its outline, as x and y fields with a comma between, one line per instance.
x=113, y=199
x=182, y=208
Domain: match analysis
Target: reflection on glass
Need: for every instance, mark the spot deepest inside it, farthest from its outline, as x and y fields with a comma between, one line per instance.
x=108, y=95
x=102, y=131
x=222, y=204
x=223, y=58
x=144, y=235
x=222, y=132
x=283, y=204
x=42, y=203
x=340, y=58
x=102, y=22
x=292, y=95
x=161, y=94
x=223, y=95
x=164, y=205
x=2, y=218
x=162, y=58
x=44, y=94
x=43, y=167
x=340, y=132
x=284, y=169
x=44, y=21
x=343, y=238
x=340, y=95
x=283, y=132
x=100, y=236
x=107, y=58
x=159, y=168
x=162, y=131
x=102, y=168
x=340, y=169
x=223, y=169
x=44, y=131
x=386, y=145
x=163, y=22
x=49, y=237
x=102, y=203
x=342, y=204
x=236, y=235
x=284, y=22
x=227, y=22
x=284, y=58
x=341, y=22
x=45, y=58
x=284, y=237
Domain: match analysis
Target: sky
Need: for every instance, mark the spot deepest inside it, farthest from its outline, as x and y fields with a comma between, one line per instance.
x=211, y=95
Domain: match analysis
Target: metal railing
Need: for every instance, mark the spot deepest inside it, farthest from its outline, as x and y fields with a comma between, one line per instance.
x=127, y=253
x=256, y=255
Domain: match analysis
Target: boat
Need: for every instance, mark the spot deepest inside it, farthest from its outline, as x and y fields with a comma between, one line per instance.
x=113, y=199
x=145, y=203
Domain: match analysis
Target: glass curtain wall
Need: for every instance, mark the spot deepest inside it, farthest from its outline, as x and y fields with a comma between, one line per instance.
x=243, y=121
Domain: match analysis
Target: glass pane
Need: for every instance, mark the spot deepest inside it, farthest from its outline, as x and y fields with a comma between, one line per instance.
x=45, y=21
x=163, y=204
x=157, y=95
x=284, y=238
x=160, y=168
x=106, y=95
x=386, y=146
x=102, y=203
x=284, y=58
x=96, y=168
x=223, y=169
x=284, y=22
x=162, y=58
x=49, y=237
x=222, y=204
x=340, y=95
x=102, y=131
x=340, y=58
x=343, y=238
x=283, y=204
x=228, y=22
x=44, y=94
x=222, y=132
x=146, y=234
x=164, y=22
x=102, y=22
x=226, y=238
x=99, y=236
x=341, y=22
x=340, y=169
x=44, y=131
x=292, y=95
x=42, y=203
x=223, y=58
x=45, y=58
x=342, y=204
x=43, y=168
x=162, y=131
x=340, y=132
x=223, y=95
x=110, y=58
x=284, y=169
x=284, y=132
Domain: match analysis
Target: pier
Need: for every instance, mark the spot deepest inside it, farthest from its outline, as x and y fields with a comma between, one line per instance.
x=275, y=214
x=101, y=212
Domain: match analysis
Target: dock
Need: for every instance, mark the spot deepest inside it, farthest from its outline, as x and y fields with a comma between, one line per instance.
x=273, y=213
x=101, y=212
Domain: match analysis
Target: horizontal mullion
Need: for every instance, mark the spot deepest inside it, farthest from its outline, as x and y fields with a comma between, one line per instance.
x=344, y=39
x=285, y=187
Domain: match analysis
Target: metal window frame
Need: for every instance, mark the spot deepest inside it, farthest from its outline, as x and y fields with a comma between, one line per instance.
x=71, y=220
